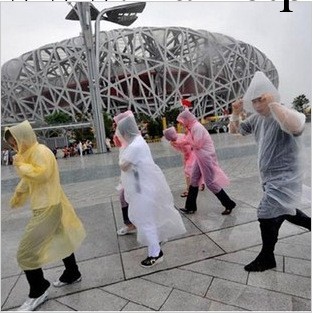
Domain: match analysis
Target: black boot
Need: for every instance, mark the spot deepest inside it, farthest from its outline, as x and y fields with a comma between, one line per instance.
x=261, y=263
x=226, y=202
x=269, y=233
x=300, y=219
x=37, y=283
x=191, y=201
x=71, y=273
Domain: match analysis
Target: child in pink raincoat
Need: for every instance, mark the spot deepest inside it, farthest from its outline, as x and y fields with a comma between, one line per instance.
x=177, y=141
x=206, y=165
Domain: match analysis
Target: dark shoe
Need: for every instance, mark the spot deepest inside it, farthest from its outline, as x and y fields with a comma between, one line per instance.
x=260, y=265
x=184, y=194
x=151, y=261
x=186, y=211
x=59, y=283
x=68, y=278
x=229, y=210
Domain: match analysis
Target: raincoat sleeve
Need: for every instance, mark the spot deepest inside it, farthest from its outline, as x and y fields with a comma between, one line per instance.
x=39, y=170
x=198, y=137
x=20, y=195
x=128, y=158
x=246, y=127
x=289, y=120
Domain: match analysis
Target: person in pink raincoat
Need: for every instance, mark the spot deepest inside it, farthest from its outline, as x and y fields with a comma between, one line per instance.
x=206, y=165
x=178, y=142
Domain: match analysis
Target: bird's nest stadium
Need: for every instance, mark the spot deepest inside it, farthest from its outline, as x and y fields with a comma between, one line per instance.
x=148, y=70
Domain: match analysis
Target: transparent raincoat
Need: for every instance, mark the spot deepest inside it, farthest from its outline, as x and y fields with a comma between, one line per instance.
x=54, y=231
x=151, y=204
x=203, y=148
x=279, y=146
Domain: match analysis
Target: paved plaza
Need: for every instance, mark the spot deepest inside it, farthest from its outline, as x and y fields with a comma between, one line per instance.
x=202, y=269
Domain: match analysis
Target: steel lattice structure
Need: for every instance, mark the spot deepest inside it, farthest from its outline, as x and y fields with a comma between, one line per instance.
x=144, y=69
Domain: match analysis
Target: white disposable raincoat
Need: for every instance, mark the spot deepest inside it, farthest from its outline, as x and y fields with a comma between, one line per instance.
x=54, y=231
x=277, y=136
x=151, y=204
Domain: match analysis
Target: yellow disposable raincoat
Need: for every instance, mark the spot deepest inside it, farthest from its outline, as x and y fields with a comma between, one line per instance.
x=54, y=231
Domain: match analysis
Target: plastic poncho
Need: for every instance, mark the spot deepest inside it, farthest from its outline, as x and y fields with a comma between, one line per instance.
x=151, y=205
x=203, y=148
x=278, y=150
x=179, y=143
x=54, y=231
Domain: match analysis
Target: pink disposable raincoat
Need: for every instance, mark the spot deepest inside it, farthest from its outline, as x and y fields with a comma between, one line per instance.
x=203, y=148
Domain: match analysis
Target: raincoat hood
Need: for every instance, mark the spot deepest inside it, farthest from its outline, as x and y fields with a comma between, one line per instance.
x=127, y=130
x=186, y=118
x=259, y=85
x=170, y=134
x=120, y=116
x=24, y=135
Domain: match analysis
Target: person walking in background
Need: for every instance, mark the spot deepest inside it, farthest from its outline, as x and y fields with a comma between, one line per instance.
x=277, y=131
x=189, y=159
x=151, y=204
x=54, y=232
x=205, y=166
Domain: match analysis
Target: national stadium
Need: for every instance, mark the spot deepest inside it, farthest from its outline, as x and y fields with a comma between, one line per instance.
x=145, y=69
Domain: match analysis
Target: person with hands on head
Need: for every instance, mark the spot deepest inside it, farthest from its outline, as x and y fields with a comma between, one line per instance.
x=277, y=131
x=205, y=166
x=54, y=231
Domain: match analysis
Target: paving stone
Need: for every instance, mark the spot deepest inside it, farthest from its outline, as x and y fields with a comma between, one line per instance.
x=184, y=280
x=6, y=286
x=297, y=266
x=245, y=235
x=183, y=301
x=220, y=269
x=249, y=297
x=140, y=291
x=54, y=305
x=243, y=257
x=281, y=282
x=176, y=253
x=133, y=307
x=93, y=300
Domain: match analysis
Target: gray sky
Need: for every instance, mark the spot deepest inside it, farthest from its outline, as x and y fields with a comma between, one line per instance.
x=285, y=38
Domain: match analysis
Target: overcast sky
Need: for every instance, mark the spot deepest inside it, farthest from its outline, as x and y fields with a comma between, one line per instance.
x=285, y=38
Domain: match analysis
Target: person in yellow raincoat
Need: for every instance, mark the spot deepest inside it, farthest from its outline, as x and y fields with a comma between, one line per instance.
x=54, y=232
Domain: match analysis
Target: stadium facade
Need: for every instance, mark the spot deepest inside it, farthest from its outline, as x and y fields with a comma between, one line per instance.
x=147, y=70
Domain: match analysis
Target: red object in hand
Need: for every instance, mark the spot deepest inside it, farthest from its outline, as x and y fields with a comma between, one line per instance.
x=186, y=103
x=117, y=141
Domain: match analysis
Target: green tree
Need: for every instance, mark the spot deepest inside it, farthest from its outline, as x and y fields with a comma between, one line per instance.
x=300, y=103
x=108, y=122
x=58, y=118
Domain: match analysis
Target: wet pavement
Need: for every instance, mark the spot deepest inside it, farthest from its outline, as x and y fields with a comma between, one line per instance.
x=202, y=269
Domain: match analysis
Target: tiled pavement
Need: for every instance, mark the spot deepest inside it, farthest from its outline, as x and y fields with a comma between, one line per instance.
x=202, y=270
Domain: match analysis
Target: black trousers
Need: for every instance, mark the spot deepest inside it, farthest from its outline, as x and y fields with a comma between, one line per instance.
x=270, y=229
x=38, y=284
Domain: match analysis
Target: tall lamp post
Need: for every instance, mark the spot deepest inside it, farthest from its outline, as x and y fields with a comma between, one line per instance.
x=85, y=12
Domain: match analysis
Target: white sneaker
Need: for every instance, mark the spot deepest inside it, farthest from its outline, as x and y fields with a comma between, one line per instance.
x=126, y=230
x=59, y=284
x=32, y=304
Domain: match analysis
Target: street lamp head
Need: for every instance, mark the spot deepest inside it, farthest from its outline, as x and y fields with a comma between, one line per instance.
x=74, y=16
x=125, y=14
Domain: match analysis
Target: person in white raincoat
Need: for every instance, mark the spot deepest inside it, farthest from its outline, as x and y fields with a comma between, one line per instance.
x=151, y=204
x=277, y=131
x=54, y=232
x=206, y=165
